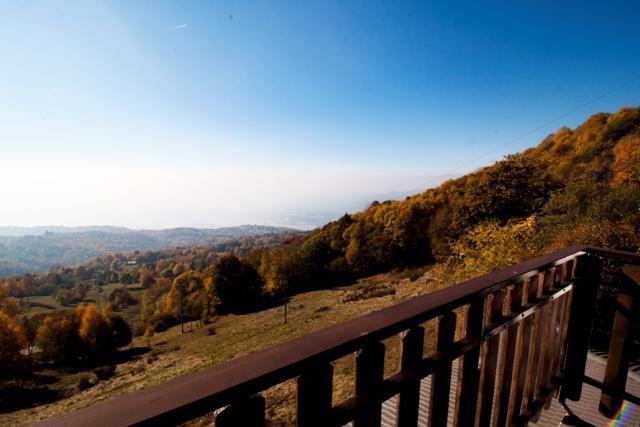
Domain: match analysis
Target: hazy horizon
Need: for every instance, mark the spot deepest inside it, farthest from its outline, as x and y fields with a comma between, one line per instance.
x=160, y=115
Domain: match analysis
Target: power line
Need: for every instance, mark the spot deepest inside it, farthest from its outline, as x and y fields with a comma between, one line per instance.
x=550, y=122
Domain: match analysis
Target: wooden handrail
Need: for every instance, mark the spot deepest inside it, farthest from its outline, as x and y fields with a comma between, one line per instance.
x=309, y=357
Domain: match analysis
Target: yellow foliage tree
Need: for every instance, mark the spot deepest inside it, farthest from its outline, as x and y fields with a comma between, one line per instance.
x=8, y=305
x=626, y=166
x=489, y=247
x=57, y=337
x=12, y=342
x=95, y=331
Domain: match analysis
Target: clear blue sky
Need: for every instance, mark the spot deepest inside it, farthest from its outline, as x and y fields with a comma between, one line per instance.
x=167, y=113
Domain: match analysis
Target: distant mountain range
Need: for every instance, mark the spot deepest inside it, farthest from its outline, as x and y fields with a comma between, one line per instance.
x=36, y=249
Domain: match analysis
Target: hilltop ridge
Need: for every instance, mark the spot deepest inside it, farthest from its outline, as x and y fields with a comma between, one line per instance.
x=37, y=249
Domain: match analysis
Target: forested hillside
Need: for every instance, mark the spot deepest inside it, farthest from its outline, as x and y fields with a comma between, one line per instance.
x=577, y=186
x=37, y=249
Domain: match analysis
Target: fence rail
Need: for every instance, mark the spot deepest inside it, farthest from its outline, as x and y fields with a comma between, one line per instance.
x=525, y=339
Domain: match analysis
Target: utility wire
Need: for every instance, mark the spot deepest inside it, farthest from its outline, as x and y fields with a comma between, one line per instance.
x=550, y=122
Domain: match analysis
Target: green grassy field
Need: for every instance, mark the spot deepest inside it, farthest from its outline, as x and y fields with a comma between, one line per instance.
x=173, y=354
x=96, y=295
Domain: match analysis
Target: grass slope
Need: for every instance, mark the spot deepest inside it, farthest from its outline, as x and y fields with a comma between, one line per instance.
x=174, y=354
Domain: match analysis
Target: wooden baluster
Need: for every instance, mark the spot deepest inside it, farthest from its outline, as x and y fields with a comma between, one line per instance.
x=243, y=412
x=620, y=347
x=469, y=374
x=511, y=353
x=566, y=310
x=521, y=356
x=567, y=269
x=441, y=379
x=490, y=359
x=315, y=389
x=551, y=335
x=586, y=280
x=526, y=377
x=409, y=398
x=369, y=377
x=542, y=341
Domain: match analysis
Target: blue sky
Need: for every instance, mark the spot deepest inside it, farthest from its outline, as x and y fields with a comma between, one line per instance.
x=159, y=113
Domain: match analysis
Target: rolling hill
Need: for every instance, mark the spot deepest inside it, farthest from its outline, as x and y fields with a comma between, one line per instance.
x=37, y=249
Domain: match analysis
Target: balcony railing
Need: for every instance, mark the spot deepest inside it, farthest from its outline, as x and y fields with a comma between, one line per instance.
x=524, y=342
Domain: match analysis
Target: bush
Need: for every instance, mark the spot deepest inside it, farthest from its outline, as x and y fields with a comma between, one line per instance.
x=138, y=329
x=84, y=382
x=152, y=357
x=414, y=274
x=163, y=321
x=369, y=292
x=105, y=372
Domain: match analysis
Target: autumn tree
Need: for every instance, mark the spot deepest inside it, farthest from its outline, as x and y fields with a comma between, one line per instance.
x=121, y=297
x=58, y=339
x=237, y=284
x=7, y=304
x=12, y=342
x=513, y=188
x=145, y=277
x=120, y=329
x=95, y=332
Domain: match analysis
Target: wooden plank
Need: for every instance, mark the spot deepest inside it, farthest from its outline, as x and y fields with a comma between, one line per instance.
x=533, y=343
x=552, y=350
x=412, y=342
x=469, y=374
x=441, y=379
x=586, y=280
x=545, y=336
x=620, y=347
x=510, y=354
x=369, y=377
x=565, y=329
x=524, y=347
x=315, y=390
x=490, y=360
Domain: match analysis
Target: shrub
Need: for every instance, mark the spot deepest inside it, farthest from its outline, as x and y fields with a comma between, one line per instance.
x=84, y=382
x=368, y=292
x=105, y=372
x=163, y=321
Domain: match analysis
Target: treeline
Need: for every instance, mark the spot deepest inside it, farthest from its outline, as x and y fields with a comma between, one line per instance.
x=131, y=267
x=84, y=335
x=38, y=253
x=577, y=186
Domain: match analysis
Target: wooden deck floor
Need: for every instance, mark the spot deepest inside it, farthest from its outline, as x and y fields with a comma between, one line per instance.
x=587, y=407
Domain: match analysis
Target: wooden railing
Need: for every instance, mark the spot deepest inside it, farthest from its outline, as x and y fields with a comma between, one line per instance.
x=524, y=339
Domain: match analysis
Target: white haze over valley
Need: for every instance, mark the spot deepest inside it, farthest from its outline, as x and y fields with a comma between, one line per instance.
x=156, y=195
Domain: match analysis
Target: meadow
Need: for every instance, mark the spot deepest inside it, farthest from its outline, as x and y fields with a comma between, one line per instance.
x=171, y=353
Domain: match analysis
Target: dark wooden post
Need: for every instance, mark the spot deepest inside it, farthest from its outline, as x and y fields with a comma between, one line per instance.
x=586, y=280
x=620, y=347
x=369, y=376
x=409, y=398
x=441, y=379
x=247, y=412
x=315, y=390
